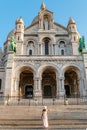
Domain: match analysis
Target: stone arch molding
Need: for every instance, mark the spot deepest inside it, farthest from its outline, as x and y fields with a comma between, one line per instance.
x=50, y=37
x=62, y=39
x=43, y=67
x=77, y=69
x=34, y=40
x=20, y=68
x=67, y=66
x=47, y=13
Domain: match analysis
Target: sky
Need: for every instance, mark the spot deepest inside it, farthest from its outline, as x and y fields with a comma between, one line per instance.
x=11, y=10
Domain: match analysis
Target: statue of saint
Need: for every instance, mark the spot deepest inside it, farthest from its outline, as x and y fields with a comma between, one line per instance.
x=81, y=47
x=46, y=24
x=12, y=46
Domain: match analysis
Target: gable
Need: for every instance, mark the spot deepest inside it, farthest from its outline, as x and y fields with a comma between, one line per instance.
x=60, y=29
x=32, y=29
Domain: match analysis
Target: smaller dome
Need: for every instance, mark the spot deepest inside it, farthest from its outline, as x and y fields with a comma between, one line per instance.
x=35, y=20
x=43, y=6
x=71, y=21
x=19, y=20
x=12, y=33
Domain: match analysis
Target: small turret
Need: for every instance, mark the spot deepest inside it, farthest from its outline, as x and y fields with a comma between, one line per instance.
x=72, y=25
x=73, y=35
x=19, y=29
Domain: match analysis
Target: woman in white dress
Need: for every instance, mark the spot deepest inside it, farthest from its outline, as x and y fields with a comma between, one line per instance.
x=44, y=118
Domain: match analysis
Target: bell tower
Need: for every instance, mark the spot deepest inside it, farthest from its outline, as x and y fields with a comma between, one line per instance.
x=19, y=30
x=19, y=35
x=73, y=35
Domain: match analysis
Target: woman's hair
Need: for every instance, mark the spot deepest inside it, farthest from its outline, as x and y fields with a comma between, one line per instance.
x=44, y=109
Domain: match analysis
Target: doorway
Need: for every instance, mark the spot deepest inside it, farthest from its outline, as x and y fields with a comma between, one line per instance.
x=67, y=91
x=29, y=91
x=47, y=91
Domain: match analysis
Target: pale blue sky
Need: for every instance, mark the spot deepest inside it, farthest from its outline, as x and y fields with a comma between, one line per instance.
x=10, y=10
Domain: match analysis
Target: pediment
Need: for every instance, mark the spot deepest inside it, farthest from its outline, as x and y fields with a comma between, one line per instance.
x=46, y=11
x=32, y=29
x=60, y=29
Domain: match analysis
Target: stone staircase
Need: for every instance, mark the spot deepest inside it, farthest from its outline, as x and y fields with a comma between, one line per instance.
x=62, y=117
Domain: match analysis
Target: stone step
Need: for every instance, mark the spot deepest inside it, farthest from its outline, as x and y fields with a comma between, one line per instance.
x=54, y=112
x=37, y=127
x=39, y=122
x=29, y=117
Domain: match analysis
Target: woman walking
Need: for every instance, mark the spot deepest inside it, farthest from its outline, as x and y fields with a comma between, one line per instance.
x=44, y=117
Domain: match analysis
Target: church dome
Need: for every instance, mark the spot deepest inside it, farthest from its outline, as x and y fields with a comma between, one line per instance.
x=35, y=20
x=71, y=21
x=12, y=33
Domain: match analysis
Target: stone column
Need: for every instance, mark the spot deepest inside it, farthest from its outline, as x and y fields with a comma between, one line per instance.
x=35, y=84
x=39, y=48
x=52, y=49
x=81, y=87
x=37, y=87
x=13, y=87
x=39, y=84
x=56, y=49
x=57, y=84
x=61, y=87
x=84, y=87
x=16, y=87
x=24, y=49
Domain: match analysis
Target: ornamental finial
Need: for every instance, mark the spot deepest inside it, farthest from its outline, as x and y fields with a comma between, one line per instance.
x=43, y=5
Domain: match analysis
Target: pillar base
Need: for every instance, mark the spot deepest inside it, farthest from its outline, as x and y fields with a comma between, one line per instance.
x=37, y=94
x=38, y=97
x=61, y=94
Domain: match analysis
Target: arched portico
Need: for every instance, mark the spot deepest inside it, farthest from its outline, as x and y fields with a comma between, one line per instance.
x=49, y=84
x=73, y=84
x=23, y=81
x=26, y=83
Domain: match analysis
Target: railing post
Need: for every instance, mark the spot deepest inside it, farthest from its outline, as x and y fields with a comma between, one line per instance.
x=53, y=101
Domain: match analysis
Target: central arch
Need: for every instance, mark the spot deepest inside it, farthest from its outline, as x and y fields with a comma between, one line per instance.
x=49, y=83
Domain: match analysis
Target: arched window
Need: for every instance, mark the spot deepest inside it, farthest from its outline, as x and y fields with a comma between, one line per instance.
x=30, y=48
x=30, y=52
x=74, y=38
x=61, y=44
x=46, y=48
x=19, y=26
x=62, y=52
x=18, y=38
x=0, y=83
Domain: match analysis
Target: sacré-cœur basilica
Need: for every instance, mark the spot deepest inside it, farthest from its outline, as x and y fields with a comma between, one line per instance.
x=43, y=60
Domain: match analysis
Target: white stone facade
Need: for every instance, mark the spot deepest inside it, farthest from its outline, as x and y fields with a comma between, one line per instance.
x=46, y=63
